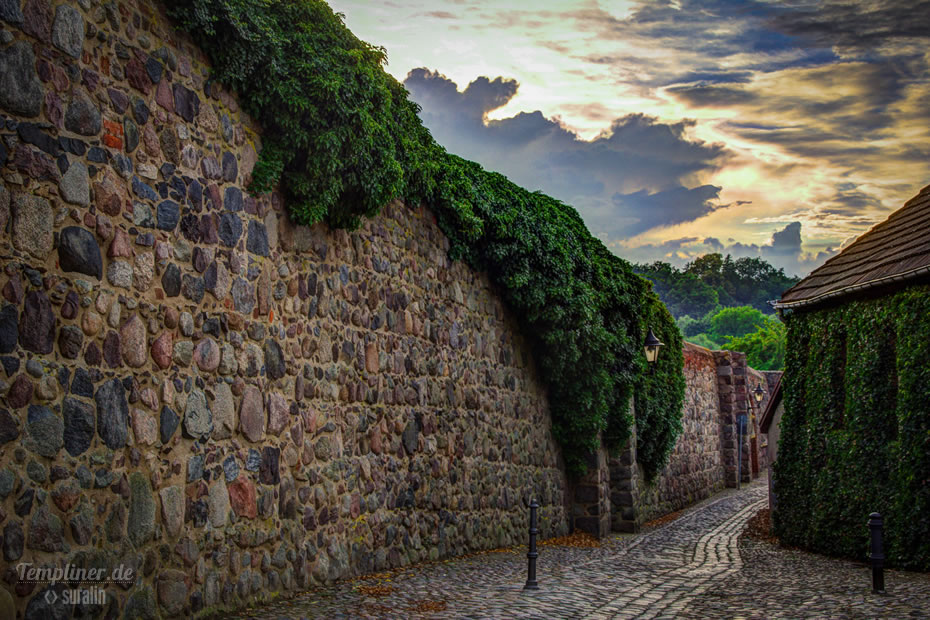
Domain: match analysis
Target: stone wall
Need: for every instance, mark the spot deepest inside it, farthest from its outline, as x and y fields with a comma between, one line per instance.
x=703, y=460
x=694, y=470
x=192, y=387
x=735, y=382
x=591, y=497
x=731, y=386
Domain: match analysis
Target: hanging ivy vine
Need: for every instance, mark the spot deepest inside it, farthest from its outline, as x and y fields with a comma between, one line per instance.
x=341, y=138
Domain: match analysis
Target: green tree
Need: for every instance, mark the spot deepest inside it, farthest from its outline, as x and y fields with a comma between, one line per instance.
x=735, y=322
x=715, y=279
x=764, y=348
x=684, y=293
x=755, y=282
x=712, y=270
x=703, y=340
x=691, y=326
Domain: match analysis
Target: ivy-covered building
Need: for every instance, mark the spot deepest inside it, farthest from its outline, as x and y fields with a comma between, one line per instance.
x=855, y=434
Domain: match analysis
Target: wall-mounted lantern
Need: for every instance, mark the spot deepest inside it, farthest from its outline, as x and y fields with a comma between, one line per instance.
x=758, y=393
x=652, y=347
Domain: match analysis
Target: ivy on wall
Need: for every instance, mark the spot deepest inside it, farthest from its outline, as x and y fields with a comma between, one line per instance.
x=855, y=435
x=659, y=393
x=341, y=138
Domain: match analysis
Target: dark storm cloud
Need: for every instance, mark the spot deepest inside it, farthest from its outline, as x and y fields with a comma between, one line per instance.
x=713, y=96
x=786, y=242
x=483, y=95
x=713, y=242
x=629, y=179
x=671, y=206
x=856, y=24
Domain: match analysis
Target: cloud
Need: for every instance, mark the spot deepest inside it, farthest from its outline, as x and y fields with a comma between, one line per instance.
x=783, y=250
x=714, y=76
x=713, y=242
x=786, y=242
x=712, y=96
x=849, y=210
x=438, y=94
x=672, y=206
x=837, y=79
x=638, y=174
x=856, y=25
x=818, y=111
x=440, y=14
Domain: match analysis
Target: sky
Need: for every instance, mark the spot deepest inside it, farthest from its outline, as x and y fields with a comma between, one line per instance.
x=676, y=128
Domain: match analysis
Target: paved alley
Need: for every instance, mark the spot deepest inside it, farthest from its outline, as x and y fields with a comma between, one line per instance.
x=696, y=566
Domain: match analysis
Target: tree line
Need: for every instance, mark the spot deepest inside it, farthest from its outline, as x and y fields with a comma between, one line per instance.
x=723, y=303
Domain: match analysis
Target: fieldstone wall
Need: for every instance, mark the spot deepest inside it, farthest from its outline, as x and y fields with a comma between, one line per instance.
x=731, y=386
x=192, y=387
x=695, y=468
x=703, y=460
x=591, y=509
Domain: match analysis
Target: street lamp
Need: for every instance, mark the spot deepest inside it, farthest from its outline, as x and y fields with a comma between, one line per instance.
x=652, y=347
x=742, y=420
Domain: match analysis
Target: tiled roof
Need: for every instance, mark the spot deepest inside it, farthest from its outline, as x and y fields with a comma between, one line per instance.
x=895, y=249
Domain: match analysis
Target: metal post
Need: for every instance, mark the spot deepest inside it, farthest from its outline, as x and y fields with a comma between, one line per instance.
x=739, y=455
x=532, y=554
x=739, y=451
x=878, y=553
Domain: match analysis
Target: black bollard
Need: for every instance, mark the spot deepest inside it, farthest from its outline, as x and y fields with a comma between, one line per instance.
x=878, y=553
x=532, y=554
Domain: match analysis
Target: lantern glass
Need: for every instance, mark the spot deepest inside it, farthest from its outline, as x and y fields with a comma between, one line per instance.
x=652, y=353
x=758, y=394
x=652, y=346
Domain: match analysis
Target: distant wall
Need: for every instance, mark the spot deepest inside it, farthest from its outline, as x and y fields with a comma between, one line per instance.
x=703, y=460
x=191, y=386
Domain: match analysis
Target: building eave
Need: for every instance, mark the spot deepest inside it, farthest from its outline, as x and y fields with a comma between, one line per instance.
x=853, y=288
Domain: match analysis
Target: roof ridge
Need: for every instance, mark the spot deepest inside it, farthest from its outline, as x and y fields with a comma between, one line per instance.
x=889, y=248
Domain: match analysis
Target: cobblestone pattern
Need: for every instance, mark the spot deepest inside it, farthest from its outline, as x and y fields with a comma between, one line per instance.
x=193, y=387
x=789, y=583
x=694, y=567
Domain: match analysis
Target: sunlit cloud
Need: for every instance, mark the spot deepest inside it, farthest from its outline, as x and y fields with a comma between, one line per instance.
x=771, y=129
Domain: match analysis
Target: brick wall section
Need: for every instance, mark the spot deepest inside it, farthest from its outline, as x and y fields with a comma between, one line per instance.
x=731, y=387
x=191, y=386
x=735, y=381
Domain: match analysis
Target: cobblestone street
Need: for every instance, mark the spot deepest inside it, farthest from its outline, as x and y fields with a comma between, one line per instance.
x=696, y=566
